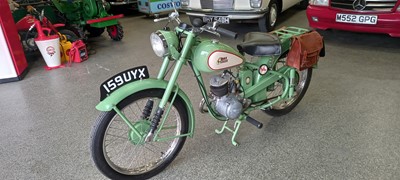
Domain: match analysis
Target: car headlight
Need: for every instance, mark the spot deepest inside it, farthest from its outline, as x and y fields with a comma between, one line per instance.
x=255, y=3
x=319, y=2
x=185, y=2
x=158, y=44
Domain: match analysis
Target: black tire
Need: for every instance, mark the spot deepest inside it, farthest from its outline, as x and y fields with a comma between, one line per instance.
x=285, y=106
x=109, y=122
x=79, y=31
x=95, y=32
x=268, y=21
x=70, y=35
x=115, y=32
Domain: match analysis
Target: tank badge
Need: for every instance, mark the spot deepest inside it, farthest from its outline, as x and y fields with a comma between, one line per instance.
x=222, y=60
x=263, y=69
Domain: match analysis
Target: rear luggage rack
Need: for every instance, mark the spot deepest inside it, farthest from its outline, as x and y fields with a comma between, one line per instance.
x=286, y=33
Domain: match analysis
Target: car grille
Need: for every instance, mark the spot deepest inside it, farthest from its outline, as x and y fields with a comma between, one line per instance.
x=216, y=4
x=371, y=5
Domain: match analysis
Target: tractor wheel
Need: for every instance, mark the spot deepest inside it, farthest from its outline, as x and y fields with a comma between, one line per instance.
x=115, y=32
x=70, y=35
x=95, y=32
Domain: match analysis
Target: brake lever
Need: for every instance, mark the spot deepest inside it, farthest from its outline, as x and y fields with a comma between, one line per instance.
x=175, y=14
x=171, y=16
x=161, y=19
x=210, y=30
x=215, y=25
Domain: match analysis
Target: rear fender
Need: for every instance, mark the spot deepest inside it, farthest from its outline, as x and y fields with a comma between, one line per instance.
x=117, y=96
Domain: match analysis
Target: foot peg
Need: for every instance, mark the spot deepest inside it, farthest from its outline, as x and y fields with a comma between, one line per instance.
x=254, y=122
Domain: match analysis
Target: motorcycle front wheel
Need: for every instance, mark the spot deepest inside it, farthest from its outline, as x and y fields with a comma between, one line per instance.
x=117, y=151
x=283, y=107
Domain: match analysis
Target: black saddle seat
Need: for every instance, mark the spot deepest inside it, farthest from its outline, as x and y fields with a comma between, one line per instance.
x=260, y=44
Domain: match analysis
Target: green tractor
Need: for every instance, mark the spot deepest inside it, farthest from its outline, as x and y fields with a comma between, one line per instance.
x=90, y=16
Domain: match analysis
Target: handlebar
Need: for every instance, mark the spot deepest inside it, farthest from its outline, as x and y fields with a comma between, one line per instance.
x=161, y=19
x=213, y=29
x=226, y=32
x=172, y=16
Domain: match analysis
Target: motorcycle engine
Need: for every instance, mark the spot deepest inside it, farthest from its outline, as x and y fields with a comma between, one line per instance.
x=225, y=100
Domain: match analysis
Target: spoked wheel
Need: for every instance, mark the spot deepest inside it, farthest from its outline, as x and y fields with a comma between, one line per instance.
x=119, y=153
x=283, y=107
x=115, y=32
x=268, y=21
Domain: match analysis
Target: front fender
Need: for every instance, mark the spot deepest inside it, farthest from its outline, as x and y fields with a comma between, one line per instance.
x=117, y=96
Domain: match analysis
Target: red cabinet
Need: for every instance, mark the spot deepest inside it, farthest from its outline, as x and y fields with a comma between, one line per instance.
x=13, y=64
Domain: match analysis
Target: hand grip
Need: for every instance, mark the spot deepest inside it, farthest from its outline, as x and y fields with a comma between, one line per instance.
x=161, y=19
x=226, y=32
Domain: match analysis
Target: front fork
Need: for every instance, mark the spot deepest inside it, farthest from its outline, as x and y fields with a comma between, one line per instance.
x=171, y=83
x=151, y=134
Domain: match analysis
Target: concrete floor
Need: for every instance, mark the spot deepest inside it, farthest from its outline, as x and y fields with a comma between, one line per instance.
x=346, y=127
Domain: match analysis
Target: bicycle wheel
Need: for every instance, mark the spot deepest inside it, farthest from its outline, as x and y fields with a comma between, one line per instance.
x=283, y=107
x=118, y=152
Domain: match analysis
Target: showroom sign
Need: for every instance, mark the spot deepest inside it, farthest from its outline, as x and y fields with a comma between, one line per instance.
x=158, y=6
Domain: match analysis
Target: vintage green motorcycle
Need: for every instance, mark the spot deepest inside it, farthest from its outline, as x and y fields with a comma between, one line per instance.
x=145, y=121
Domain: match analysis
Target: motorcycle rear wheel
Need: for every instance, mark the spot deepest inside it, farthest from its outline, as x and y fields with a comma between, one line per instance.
x=285, y=106
x=118, y=156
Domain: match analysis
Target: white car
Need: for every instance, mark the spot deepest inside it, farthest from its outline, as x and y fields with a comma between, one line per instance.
x=223, y=11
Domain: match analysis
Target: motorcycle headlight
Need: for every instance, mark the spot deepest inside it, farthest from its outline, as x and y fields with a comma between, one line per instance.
x=319, y=2
x=255, y=3
x=158, y=44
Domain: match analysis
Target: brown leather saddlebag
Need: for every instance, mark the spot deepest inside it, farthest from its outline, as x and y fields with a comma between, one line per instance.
x=305, y=50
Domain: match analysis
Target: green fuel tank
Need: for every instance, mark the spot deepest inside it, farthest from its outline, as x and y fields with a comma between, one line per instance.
x=212, y=55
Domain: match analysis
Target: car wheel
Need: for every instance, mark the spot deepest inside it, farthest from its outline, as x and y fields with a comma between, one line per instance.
x=268, y=21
